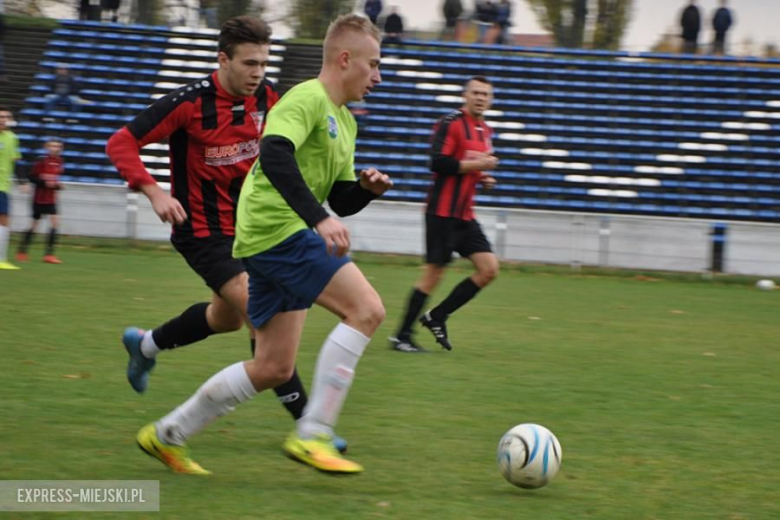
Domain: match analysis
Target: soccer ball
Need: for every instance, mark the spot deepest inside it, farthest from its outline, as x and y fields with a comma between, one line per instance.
x=529, y=456
x=765, y=285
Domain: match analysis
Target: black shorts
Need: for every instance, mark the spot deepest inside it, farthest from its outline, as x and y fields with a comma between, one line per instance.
x=211, y=258
x=38, y=210
x=444, y=235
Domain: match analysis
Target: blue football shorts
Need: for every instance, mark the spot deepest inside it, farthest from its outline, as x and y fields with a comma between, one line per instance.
x=289, y=276
x=4, y=204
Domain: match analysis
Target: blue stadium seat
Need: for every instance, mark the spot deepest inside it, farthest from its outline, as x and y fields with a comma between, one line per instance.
x=575, y=130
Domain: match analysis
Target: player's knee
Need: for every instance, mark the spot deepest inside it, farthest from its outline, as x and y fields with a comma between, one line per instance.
x=490, y=272
x=435, y=275
x=277, y=375
x=269, y=373
x=221, y=322
x=378, y=313
x=430, y=280
x=227, y=324
x=234, y=323
x=370, y=315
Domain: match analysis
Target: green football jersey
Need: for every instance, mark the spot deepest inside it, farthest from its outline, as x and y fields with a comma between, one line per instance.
x=9, y=153
x=324, y=138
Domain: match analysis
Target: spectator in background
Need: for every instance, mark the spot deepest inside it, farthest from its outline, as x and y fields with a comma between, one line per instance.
x=721, y=23
x=112, y=6
x=486, y=16
x=691, y=24
x=504, y=20
x=90, y=10
x=64, y=91
x=452, y=9
x=373, y=9
x=208, y=12
x=394, y=26
x=9, y=154
x=45, y=176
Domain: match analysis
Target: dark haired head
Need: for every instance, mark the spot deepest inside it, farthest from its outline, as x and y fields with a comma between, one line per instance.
x=480, y=79
x=243, y=29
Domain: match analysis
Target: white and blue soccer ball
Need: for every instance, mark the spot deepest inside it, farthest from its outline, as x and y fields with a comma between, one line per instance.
x=529, y=456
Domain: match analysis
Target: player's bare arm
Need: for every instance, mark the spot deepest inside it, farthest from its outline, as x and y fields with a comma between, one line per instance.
x=166, y=207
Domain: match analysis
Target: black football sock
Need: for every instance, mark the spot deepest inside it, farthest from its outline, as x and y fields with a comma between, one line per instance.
x=28, y=236
x=189, y=327
x=460, y=295
x=414, y=307
x=291, y=394
x=51, y=241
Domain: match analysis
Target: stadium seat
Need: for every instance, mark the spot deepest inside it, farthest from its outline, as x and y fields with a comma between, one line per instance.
x=575, y=130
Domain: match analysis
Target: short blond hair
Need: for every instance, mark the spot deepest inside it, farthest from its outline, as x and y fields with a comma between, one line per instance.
x=349, y=23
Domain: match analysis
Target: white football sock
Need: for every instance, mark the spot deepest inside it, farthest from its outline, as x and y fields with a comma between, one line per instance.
x=148, y=347
x=5, y=235
x=215, y=398
x=333, y=376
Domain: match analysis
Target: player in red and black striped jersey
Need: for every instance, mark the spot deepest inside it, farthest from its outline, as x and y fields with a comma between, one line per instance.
x=213, y=127
x=214, y=138
x=45, y=175
x=461, y=153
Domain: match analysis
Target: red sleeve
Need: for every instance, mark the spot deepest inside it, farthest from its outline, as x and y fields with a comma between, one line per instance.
x=154, y=124
x=452, y=140
x=446, y=137
x=124, y=151
x=36, y=169
x=35, y=173
x=445, y=152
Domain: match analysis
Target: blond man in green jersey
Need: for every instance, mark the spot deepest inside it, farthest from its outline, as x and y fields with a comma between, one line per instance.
x=9, y=154
x=307, y=157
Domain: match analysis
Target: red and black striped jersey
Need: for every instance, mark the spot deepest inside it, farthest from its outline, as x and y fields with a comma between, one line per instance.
x=460, y=137
x=213, y=138
x=46, y=169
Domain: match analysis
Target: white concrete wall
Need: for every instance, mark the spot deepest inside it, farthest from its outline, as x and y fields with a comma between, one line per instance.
x=518, y=235
x=753, y=249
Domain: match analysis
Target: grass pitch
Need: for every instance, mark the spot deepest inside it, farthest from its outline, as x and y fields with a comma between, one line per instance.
x=662, y=391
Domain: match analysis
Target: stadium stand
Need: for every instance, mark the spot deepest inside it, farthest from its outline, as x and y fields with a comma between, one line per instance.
x=660, y=138
x=23, y=47
x=575, y=130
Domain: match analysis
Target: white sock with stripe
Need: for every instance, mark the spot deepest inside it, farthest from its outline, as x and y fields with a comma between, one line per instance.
x=5, y=236
x=218, y=396
x=333, y=376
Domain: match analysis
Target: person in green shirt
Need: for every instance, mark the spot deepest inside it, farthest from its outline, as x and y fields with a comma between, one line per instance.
x=306, y=158
x=9, y=154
